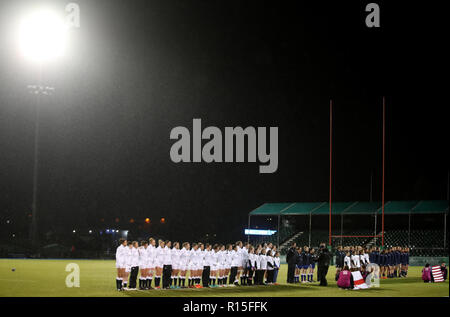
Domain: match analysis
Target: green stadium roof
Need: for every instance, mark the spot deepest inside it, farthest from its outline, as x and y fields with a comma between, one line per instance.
x=393, y=207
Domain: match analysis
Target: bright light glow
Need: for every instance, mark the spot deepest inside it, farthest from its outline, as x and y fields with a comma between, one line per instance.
x=259, y=232
x=42, y=35
x=74, y=231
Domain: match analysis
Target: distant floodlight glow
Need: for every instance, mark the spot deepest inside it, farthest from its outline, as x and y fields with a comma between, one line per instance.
x=42, y=35
x=259, y=232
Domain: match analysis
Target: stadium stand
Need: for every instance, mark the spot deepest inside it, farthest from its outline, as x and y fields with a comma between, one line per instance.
x=423, y=242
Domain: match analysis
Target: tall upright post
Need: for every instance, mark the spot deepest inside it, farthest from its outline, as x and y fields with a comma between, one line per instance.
x=342, y=226
x=375, y=229
x=331, y=148
x=382, y=185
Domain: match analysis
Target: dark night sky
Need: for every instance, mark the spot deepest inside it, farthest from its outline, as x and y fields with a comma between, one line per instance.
x=137, y=69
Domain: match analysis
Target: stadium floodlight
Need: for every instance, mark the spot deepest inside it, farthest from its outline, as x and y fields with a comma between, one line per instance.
x=42, y=35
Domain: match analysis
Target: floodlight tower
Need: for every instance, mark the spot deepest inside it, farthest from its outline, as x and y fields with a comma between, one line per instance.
x=41, y=39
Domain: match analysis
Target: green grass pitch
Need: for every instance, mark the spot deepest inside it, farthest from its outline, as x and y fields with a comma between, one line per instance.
x=97, y=278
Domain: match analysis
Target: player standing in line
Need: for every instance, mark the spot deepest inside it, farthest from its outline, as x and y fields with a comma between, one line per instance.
x=150, y=262
x=143, y=264
x=270, y=267
x=206, y=268
x=398, y=262
x=120, y=263
x=184, y=263
x=244, y=254
x=206, y=275
x=134, y=265
x=259, y=262
x=277, y=267
x=239, y=255
x=376, y=256
x=274, y=250
x=235, y=262
x=390, y=263
x=266, y=248
x=199, y=255
x=394, y=262
x=158, y=262
x=312, y=265
x=366, y=256
x=227, y=260
x=251, y=264
x=356, y=264
x=306, y=262
x=213, y=261
x=263, y=262
x=382, y=264
x=362, y=261
x=175, y=253
x=348, y=260
x=372, y=255
x=127, y=253
x=386, y=262
x=402, y=261
x=192, y=265
x=167, y=264
x=223, y=265
x=406, y=261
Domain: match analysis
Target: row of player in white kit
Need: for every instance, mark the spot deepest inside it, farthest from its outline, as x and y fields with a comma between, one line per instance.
x=195, y=258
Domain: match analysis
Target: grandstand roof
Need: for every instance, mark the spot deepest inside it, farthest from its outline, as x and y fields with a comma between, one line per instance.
x=392, y=207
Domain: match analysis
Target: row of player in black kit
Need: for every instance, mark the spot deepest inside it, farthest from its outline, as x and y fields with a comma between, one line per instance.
x=302, y=261
x=393, y=261
x=205, y=263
